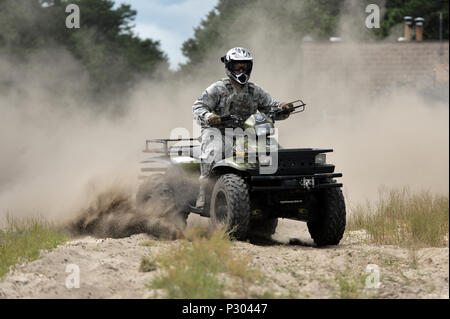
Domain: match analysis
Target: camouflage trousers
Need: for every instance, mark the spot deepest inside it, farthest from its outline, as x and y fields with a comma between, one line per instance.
x=214, y=147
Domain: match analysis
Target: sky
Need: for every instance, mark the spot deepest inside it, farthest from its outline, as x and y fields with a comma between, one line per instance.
x=170, y=21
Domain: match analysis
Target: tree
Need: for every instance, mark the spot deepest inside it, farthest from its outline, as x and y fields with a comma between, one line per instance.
x=427, y=9
x=234, y=21
x=104, y=44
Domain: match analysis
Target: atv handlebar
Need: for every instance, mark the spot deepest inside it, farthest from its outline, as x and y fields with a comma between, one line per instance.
x=298, y=104
x=234, y=121
x=229, y=121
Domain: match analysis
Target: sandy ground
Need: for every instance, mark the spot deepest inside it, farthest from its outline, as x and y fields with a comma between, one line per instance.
x=292, y=265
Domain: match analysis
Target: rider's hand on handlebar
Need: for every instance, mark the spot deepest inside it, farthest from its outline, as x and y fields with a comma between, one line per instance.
x=288, y=107
x=214, y=119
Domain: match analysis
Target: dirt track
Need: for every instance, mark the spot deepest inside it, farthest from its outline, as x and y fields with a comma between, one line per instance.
x=294, y=268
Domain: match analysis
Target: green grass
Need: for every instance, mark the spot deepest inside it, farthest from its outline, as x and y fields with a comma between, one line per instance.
x=148, y=243
x=349, y=286
x=352, y=285
x=200, y=267
x=403, y=218
x=22, y=240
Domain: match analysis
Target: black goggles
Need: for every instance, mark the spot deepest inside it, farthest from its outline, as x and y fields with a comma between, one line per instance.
x=240, y=66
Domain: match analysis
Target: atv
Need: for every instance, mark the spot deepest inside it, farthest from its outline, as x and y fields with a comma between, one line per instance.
x=242, y=196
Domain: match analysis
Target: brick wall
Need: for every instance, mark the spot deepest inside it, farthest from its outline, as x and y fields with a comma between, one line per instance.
x=375, y=65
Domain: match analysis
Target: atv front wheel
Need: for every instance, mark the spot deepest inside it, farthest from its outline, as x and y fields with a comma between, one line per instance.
x=230, y=205
x=327, y=226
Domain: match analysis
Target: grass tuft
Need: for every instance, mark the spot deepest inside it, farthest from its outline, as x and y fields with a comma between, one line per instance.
x=350, y=286
x=147, y=264
x=202, y=267
x=403, y=218
x=148, y=243
x=22, y=240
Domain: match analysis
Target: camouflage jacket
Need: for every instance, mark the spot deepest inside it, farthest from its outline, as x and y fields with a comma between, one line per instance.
x=223, y=98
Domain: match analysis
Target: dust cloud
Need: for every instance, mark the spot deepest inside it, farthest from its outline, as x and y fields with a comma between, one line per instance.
x=69, y=158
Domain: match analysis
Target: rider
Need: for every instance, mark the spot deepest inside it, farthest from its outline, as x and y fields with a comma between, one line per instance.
x=236, y=96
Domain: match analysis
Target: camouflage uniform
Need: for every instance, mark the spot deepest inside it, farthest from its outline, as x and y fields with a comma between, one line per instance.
x=224, y=98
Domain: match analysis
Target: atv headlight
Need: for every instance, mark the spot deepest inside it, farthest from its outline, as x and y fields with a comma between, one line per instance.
x=265, y=160
x=321, y=159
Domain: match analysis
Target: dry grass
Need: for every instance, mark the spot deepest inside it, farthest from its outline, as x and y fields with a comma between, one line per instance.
x=147, y=264
x=403, y=218
x=22, y=240
x=203, y=266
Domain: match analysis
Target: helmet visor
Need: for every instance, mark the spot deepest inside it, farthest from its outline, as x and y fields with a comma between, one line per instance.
x=240, y=67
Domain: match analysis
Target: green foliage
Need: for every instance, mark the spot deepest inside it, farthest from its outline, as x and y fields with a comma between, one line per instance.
x=23, y=240
x=427, y=9
x=318, y=18
x=350, y=285
x=104, y=43
x=113, y=56
x=233, y=22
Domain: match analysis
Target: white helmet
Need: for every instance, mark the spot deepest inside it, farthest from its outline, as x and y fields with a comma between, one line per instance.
x=238, y=55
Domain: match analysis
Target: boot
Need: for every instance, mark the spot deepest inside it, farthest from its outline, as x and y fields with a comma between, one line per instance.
x=201, y=194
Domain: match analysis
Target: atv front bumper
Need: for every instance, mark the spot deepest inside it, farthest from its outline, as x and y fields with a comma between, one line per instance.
x=293, y=182
x=297, y=169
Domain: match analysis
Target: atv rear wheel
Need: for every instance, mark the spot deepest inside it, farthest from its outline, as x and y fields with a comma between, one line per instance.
x=154, y=187
x=230, y=205
x=157, y=195
x=328, y=226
